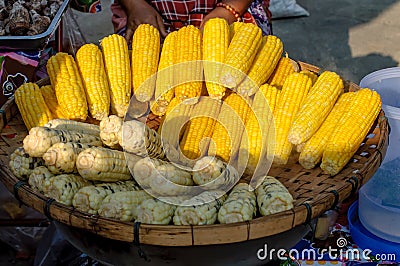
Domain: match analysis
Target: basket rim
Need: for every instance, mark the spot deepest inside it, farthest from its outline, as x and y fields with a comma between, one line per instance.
x=172, y=235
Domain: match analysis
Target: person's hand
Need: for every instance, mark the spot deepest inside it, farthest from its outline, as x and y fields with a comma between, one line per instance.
x=218, y=12
x=140, y=12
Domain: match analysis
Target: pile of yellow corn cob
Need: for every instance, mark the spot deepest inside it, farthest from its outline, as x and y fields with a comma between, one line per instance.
x=254, y=106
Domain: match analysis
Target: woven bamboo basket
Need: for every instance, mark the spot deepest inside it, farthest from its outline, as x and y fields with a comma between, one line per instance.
x=313, y=191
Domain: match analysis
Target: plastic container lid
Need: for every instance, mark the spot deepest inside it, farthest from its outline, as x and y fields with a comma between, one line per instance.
x=389, y=251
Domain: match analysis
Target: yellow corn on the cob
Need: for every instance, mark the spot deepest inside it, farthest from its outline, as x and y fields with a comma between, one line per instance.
x=67, y=82
x=351, y=130
x=212, y=173
x=89, y=198
x=141, y=140
x=71, y=125
x=239, y=206
x=155, y=211
x=32, y=106
x=233, y=28
x=215, y=46
x=175, y=122
x=311, y=75
x=188, y=58
x=293, y=93
x=169, y=180
x=22, y=165
x=273, y=197
x=118, y=69
x=313, y=149
x=316, y=107
x=264, y=64
x=259, y=128
x=144, y=168
x=111, y=130
x=165, y=90
x=40, y=139
x=229, y=127
x=145, y=55
x=282, y=71
x=200, y=210
x=60, y=158
x=50, y=97
x=94, y=77
x=200, y=128
x=122, y=205
x=240, y=55
x=102, y=164
x=38, y=177
x=63, y=187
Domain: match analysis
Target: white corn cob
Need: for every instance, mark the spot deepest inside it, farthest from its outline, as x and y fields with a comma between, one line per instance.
x=155, y=211
x=111, y=130
x=144, y=168
x=40, y=139
x=22, y=165
x=201, y=209
x=63, y=187
x=168, y=180
x=239, y=206
x=213, y=173
x=122, y=205
x=102, y=164
x=89, y=198
x=273, y=197
x=61, y=157
x=72, y=125
x=38, y=177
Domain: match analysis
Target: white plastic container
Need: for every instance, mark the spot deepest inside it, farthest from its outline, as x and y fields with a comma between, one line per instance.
x=379, y=199
x=387, y=83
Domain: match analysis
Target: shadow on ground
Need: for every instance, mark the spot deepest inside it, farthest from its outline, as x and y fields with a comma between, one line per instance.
x=322, y=39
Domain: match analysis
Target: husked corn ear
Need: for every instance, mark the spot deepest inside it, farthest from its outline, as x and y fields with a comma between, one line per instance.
x=72, y=125
x=316, y=107
x=118, y=69
x=165, y=90
x=91, y=65
x=283, y=69
x=144, y=168
x=67, y=82
x=189, y=55
x=122, y=205
x=293, y=93
x=102, y=164
x=215, y=46
x=200, y=210
x=155, y=211
x=313, y=149
x=264, y=64
x=49, y=94
x=229, y=127
x=60, y=158
x=141, y=140
x=351, y=130
x=89, y=198
x=38, y=177
x=175, y=122
x=259, y=127
x=240, y=55
x=169, y=180
x=311, y=75
x=62, y=188
x=214, y=174
x=233, y=28
x=273, y=197
x=31, y=105
x=40, y=139
x=239, y=206
x=111, y=130
x=199, y=130
x=145, y=55
x=22, y=165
